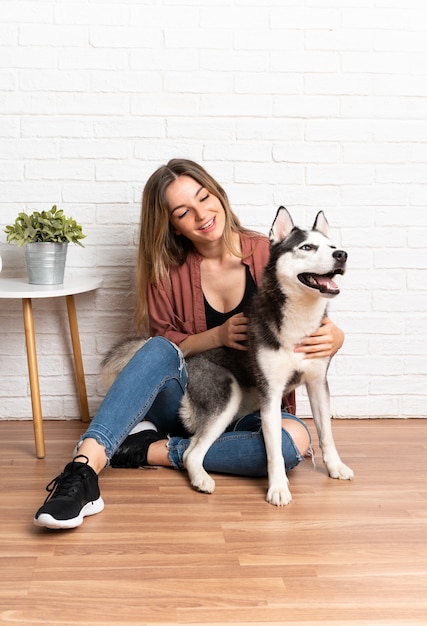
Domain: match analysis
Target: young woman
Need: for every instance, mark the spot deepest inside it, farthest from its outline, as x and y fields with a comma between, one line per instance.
x=197, y=271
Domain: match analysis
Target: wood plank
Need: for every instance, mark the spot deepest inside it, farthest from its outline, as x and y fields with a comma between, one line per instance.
x=341, y=553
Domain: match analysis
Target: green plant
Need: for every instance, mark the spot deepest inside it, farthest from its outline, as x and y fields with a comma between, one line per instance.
x=48, y=226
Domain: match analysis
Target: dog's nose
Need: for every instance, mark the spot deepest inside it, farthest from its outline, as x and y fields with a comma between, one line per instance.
x=340, y=255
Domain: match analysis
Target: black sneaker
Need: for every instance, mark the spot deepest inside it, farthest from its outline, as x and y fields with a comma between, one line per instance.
x=72, y=495
x=132, y=453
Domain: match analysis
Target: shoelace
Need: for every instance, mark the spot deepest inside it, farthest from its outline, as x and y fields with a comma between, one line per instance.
x=65, y=483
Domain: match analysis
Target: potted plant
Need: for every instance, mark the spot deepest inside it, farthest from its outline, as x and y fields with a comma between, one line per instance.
x=46, y=236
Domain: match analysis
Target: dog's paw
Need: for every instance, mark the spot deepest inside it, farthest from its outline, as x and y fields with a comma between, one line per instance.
x=341, y=471
x=199, y=478
x=279, y=496
x=201, y=481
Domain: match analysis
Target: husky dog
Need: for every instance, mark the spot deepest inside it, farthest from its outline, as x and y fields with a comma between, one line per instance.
x=224, y=384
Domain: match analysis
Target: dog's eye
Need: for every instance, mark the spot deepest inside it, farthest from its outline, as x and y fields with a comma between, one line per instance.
x=307, y=247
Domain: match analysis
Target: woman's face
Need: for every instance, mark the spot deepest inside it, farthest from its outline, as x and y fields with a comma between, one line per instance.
x=195, y=212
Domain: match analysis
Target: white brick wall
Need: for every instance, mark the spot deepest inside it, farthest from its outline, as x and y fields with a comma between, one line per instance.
x=315, y=104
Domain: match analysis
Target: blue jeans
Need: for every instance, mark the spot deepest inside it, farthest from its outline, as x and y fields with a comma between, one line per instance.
x=150, y=387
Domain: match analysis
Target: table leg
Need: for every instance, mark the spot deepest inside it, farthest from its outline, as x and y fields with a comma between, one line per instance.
x=34, y=377
x=78, y=361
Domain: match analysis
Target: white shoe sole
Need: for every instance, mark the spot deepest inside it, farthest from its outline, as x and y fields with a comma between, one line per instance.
x=91, y=508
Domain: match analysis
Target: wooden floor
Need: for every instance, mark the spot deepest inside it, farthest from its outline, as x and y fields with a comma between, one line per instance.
x=342, y=553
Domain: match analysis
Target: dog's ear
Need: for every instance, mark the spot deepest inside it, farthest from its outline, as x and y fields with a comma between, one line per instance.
x=321, y=224
x=282, y=225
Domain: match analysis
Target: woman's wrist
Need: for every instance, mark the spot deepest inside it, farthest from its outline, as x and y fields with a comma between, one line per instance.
x=206, y=340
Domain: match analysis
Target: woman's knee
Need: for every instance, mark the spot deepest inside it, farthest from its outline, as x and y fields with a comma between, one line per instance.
x=299, y=434
x=160, y=349
x=161, y=358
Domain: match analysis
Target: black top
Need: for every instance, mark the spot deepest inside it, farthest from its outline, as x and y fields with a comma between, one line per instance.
x=215, y=318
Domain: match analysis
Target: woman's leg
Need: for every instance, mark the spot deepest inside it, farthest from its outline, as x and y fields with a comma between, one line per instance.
x=241, y=450
x=155, y=377
x=156, y=374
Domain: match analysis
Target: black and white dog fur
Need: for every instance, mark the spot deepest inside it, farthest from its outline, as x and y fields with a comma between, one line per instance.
x=224, y=384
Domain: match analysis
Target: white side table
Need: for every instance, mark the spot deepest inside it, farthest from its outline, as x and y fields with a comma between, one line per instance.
x=19, y=288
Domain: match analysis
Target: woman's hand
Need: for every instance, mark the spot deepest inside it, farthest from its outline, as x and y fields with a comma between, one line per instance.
x=234, y=332
x=326, y=341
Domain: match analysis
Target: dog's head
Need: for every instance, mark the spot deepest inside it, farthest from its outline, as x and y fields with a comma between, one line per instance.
x=306, y=257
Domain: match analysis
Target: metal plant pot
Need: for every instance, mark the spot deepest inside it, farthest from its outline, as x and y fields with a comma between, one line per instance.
x=45, y=262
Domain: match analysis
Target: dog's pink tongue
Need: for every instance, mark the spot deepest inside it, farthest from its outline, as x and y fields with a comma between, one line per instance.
x=326, y=282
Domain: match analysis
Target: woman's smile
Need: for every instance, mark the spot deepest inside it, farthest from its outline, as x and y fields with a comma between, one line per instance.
x=210, y=225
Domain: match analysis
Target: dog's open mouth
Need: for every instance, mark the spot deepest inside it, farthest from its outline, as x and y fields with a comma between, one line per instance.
x=325, y=283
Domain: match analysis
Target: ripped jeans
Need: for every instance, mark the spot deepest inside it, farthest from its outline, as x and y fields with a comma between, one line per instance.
x=150, y=387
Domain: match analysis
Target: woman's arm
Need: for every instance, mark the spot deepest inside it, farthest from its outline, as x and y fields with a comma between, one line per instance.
x=231, y=334
x=326, y=341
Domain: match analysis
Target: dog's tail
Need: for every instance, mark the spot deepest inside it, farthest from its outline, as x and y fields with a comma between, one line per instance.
x=117, y=357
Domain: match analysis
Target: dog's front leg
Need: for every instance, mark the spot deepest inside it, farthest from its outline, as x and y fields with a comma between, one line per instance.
x=278, y=492
x=209, y=428
x=318, y=394
x=193, y=462
x=194, y=456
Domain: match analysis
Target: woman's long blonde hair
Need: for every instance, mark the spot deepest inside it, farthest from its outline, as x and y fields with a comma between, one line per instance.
x=159, y=247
